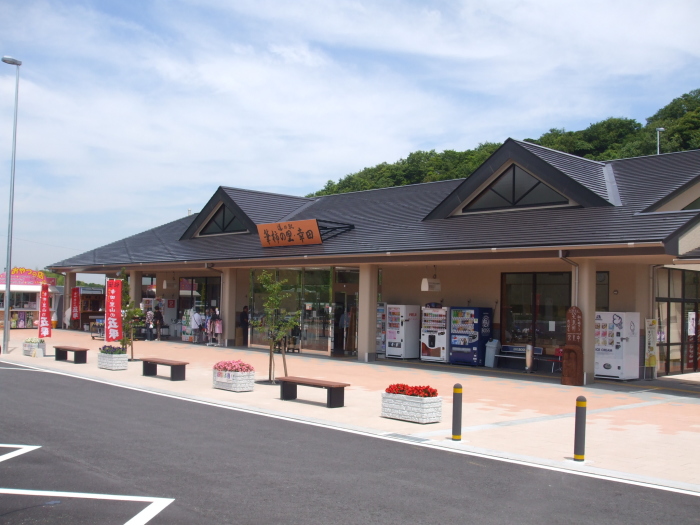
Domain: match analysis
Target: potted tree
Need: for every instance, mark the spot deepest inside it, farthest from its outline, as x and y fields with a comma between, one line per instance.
x=418, y=404
x=235, y=376
x=112, y=358
x=34, y=347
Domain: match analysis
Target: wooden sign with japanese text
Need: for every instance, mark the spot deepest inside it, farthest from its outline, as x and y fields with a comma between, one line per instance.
x=574, y=326
x=290, y=233
x=44, y=313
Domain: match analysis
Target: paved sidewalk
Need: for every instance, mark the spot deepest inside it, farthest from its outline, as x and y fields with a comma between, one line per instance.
x=644, y=431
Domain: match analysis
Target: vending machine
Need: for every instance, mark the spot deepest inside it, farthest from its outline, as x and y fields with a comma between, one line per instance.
x=470, y=330
x=433, y=335
x=380, y=347
x=617, y=345
x=403, y=331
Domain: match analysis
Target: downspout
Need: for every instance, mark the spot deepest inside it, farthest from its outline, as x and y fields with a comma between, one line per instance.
x=575, y=265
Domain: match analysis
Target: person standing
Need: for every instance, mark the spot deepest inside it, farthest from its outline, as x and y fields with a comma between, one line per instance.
x=196, y=324
x=158, y=319
x=244, y=322
x=149, y=325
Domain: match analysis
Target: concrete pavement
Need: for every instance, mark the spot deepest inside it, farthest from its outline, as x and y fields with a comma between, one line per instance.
x=643, y=431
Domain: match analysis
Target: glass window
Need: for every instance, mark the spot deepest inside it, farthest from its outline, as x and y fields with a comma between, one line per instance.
x=223, y=221
x=317, y=309
x=517, y=310
x=602, y=292
x=347, y=275
x=692, y=285
x=516, y=188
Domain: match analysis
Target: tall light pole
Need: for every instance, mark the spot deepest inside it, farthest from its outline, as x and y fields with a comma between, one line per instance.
x=658, y=139
x=8, y=266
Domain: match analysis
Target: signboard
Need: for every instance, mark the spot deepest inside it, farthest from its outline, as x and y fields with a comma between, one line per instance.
x=691, y=323
x=75, y=303
x=113, y=311
x=291, y=233
x=574, y=326
x=651, y=350
x=44, y=313
x=24, y=276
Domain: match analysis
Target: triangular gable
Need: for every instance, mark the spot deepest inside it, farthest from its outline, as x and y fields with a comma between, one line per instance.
x=212, y=208
x=513, y=153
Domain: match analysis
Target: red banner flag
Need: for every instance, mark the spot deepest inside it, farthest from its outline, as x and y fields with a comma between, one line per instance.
x=44, y=313
x=75, y=304
x=113, y=311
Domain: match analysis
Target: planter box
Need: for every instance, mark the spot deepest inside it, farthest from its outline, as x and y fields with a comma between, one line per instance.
x=412, y=408
x=112, y=361
x=234, y=381
x=38, y=349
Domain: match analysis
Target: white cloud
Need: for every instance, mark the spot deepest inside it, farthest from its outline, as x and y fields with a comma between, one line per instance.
x=128, y=117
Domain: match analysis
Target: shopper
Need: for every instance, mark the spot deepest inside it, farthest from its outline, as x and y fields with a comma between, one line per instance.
x=196, y=324
x=244, y=322
x=149, y=325
x=158, y=319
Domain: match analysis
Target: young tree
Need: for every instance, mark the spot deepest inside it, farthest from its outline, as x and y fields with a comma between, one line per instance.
x=276, y=321
x=131, y=314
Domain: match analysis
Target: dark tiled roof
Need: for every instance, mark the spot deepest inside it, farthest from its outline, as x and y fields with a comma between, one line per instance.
x=392, y=220
x=264, y=207
x=587, y=172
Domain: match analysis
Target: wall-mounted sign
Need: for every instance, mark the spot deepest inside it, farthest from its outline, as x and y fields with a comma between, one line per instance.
x=25, y=276
x=290, y=233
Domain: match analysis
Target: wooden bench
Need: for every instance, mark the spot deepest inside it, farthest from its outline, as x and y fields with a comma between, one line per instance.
x=336, y=391
x=79, y=354
x=177, y=368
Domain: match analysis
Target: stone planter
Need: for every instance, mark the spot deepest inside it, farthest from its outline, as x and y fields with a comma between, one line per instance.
x=112, y=361
x=234, y=381
x=36, y=349
x=412, y=408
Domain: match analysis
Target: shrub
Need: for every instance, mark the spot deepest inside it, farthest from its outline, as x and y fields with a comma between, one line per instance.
x=109, y=349
x=233, y=366
x=417, y=391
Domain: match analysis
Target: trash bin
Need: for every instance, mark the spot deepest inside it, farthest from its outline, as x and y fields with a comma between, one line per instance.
x=529, y=356
x=492, y=348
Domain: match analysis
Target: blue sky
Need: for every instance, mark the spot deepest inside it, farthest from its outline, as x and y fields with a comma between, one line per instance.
x=131, y=113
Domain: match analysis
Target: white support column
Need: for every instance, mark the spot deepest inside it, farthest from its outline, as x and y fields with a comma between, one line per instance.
x=135, y=286
x=228, y=305
x=586, y=302
x=68, y=285
x=367, y=313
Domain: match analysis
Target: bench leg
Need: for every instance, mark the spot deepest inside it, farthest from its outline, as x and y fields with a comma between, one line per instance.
x=336, y=397
x=61, y=355
x=79, y=357
x=149, y=369
x=177, y=373
x=288, y=391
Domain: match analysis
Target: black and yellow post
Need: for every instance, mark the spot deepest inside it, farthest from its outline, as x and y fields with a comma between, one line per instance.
x=580, y=429
x=457, y=413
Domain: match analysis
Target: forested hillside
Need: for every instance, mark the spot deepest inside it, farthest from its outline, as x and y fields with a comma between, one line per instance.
x=612, y=138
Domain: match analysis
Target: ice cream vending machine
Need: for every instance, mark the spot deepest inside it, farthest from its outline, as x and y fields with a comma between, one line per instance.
x=403, y=331
x=380, y=347
x=617, y=353
x=470, y=330
x=433, y=335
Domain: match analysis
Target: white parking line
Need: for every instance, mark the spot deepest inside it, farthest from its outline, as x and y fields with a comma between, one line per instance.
x=143, y=517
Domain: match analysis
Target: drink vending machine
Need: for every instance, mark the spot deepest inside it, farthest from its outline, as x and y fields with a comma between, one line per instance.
x=470, y=330
x=380, y=347
x=403, y=331
x=617, y=345
x=433, y=335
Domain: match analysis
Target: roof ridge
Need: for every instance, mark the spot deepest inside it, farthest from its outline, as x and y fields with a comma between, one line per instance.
x=266, y=192
x=599, y=162
x=654, y=155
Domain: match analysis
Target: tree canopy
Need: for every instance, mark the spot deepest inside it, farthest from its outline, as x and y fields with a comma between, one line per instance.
x=612, y=138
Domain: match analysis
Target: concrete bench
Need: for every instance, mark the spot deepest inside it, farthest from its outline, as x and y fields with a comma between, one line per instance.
x=336, y=391
x=79, y=354
x=177, y=368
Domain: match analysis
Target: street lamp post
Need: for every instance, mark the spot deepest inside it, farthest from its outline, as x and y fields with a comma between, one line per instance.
x=8, y=266
x=658, y=137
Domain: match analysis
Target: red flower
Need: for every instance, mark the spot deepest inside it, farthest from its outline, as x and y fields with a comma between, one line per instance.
x=417, y=391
